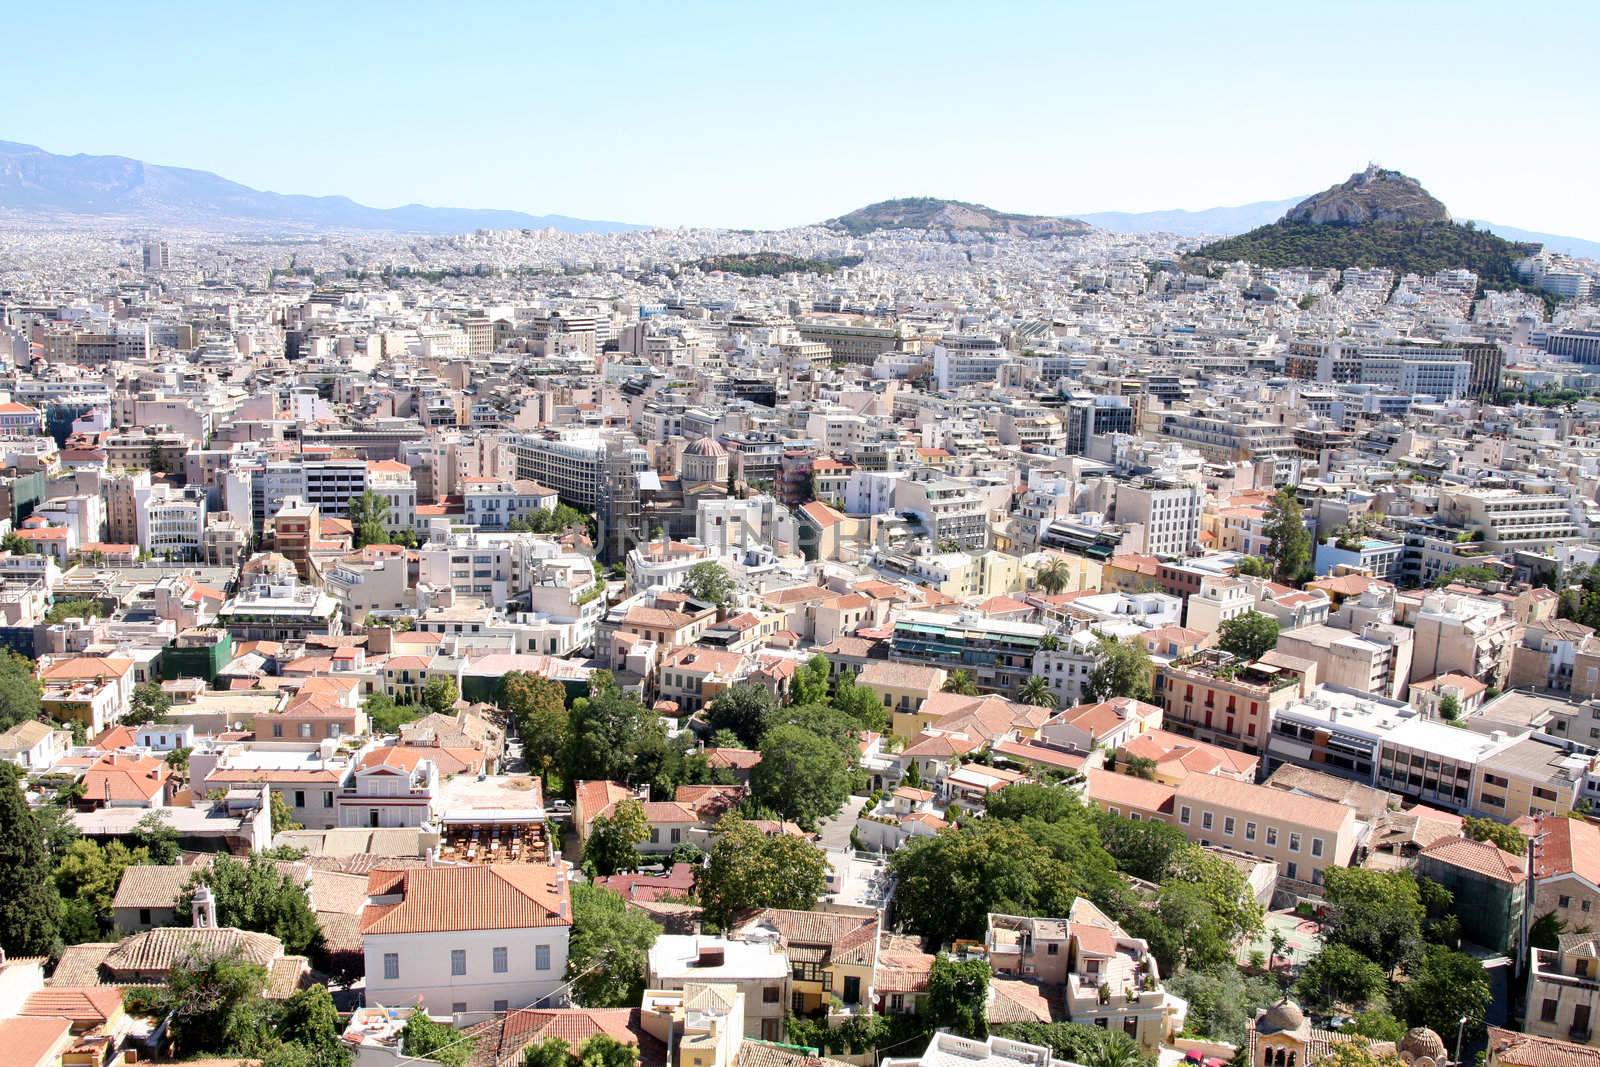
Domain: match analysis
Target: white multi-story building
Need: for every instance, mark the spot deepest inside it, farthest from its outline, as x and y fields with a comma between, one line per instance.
x=949, y=509
x=491, y=503
x=482, y=938
x=1169, y=512
x=171, y=523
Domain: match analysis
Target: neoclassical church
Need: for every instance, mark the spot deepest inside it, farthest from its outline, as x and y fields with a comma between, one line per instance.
x=1282, y=1036
x=703, y=475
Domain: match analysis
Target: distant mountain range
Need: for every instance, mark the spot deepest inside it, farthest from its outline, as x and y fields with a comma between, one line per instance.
x=929, y=213
x=39, y=184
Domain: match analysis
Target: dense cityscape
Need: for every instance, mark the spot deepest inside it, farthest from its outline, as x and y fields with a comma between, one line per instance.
x=929, y=637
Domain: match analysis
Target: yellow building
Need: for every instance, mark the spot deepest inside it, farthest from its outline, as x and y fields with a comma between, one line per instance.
x=903, y=688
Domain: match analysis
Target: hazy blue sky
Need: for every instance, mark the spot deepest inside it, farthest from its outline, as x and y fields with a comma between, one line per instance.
x=767, y=114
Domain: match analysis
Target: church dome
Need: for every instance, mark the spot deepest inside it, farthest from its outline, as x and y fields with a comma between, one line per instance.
x=1282, y=1016
x=705, y=446
x=1420, y=1044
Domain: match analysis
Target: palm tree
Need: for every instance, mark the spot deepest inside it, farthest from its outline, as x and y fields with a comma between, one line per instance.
x=1036, y=691
x=1112, y=1054
x=960, y=682
x=1054, y=576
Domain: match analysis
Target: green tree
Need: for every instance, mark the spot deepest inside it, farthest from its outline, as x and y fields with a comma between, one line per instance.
x=1546, y=931
x=749, y=869
x=62, y=610
x=282, y=817
x=1339, y=976
x=1036, y=691
x=958, y=995
x=1288, y=540
x=178, y=759
x=538, y=708
x=422, y=1037
x=30, y=908
x=551, y=1052
x=16, y=544
x=1090, y=1046
x=310, y=1021
x=86, y=879
x=1253, y=567
x=610, y=731
x=1497, y=833
x=1441, y=988
x=1376, y=1024
x=1030, y=800
x=1377, y=913
x=608, y=953
x=439, y=694
x=1054, y=576
x=859, y=702
x=385, y=715
x=960, y=682
x=1449, y=708
x=150, y=704
x=949, y=883
x=743, y=709
x=1222, y=1002
x=614, y=840
x=216, y=1005
x=1122, y=671
x=19, y=690
x=257, y=895
x=709, y=582
x=810, y=685
x=1249, y=636
x=603, y=1050
x=157, y=837
x=800, y=776
x=369, y=516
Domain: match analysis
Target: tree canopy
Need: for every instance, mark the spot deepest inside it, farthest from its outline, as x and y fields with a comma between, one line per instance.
x=750, y=869
x=1249, y=636
x=958, y=995
x=538, y=709
x=19, y=690
x=257, y=895
x=743, y=709
x=708, y=581
x=30, y=907
x=801, y=775
x=607, y=956
x=1122, y=671
x=1377, y=913
x=1288, y=540
x=613, y=841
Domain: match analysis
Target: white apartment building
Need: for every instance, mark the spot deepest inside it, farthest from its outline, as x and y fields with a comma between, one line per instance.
x=1168, y=511
x=1509, y=520
x=1066, y=669
x=968, y=360
x=950, y=510
x=491, y=503
x=489, y=937
x=374, y=579
x=392, y=480
x=171, y=523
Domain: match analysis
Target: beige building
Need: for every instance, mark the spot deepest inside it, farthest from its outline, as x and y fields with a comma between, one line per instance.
x=1303, y=835
x=1465, y=635
x=903, y=688
x=1563, y=985
x=1377, y=660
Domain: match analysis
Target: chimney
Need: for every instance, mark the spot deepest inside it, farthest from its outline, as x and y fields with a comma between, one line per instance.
x=204, y=909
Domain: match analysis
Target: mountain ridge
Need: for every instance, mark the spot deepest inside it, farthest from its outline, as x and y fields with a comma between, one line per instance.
x=932, y=213
x=37, y=182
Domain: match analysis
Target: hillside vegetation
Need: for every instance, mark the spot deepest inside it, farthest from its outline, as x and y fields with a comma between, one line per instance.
x=1408, y=247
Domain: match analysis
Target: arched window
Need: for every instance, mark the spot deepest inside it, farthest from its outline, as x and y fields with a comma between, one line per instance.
x=1291, y=1059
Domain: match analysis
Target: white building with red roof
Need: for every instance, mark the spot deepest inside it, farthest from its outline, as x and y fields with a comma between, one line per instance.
x=488, y=937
